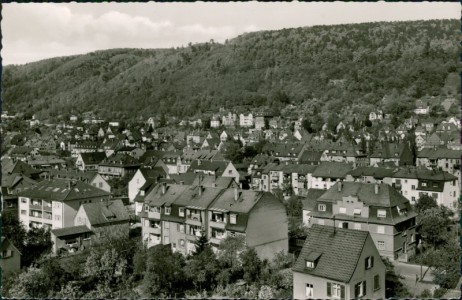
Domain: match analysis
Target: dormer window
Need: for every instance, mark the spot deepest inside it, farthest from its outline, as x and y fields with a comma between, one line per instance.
x=310, y=264
x=168, y=210
x=232, y=218
x=381, y=213
x=321, y=207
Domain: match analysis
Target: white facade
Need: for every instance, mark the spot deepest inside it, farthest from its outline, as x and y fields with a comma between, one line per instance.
x=246, y=120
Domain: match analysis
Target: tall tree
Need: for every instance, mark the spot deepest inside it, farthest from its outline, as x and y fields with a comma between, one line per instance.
x=251, y=264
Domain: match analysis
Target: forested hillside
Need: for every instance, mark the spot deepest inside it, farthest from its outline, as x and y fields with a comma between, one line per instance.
x=326, y=67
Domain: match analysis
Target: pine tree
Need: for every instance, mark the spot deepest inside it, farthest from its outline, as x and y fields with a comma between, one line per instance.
x=200, y=244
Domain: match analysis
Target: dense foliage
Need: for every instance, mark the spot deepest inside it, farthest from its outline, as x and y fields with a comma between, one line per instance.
x=320, y=68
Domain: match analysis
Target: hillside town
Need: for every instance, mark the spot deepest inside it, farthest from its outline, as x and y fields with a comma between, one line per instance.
x=345, y=205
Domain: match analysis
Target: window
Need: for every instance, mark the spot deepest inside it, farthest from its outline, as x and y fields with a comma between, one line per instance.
x=369, y=262
x=100, y=184
x=413, y=199
x=309, y=264
x=435, y=196
x=342, y=210
x=424, y=184
x=181, y=242
x=181, y=211
x=23, y=200
x=230, y=172
x=146, y=208
x=381, y=229
x=413, y=187
x=181, y=228
x=167, y=210
x=335, y=290
x=23, y=212
x=381, y=213
x=309, y=290
x=360, y=289
x=322, y=207
x=381, y=245
x=7, y=253
x=174, y=245
x=376, y=282
x=357, y=211
x=232, y=218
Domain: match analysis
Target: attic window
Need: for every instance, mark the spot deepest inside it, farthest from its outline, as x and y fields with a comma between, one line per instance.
x=310, y=264
x=232, y=218
x=381, y=213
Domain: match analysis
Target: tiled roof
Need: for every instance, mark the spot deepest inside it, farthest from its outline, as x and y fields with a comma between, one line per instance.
x=372, y=171
x=103, y=212
x=423, y=173
x=439, y=153
x=204, y=165
x=63, y=190
x=119, y=159
x=213, y=181
x=332, y=170
x=387, y=196
x=337, y=251
x=245, y=202
x=70, y=230
x=192, y=197
x=156, y=198
x=93, y=158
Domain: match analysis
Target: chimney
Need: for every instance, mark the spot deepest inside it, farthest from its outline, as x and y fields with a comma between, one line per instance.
x=376, y=188
x=236, y=194
x=69, y=184
x=198, y=162
x=339, y=185
x=200, y=190
x=164, y=188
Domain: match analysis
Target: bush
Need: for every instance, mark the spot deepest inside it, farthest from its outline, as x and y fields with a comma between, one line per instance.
x=439, y=293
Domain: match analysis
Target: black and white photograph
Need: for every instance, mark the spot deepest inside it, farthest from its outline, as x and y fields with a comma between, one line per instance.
x=218, y=150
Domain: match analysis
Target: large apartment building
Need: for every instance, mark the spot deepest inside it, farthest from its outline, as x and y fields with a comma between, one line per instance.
x=179, y=214
x=54, y=203
x=377, y=208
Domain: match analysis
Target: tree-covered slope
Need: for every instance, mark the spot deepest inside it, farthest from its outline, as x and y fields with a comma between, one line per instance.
x=326, y=67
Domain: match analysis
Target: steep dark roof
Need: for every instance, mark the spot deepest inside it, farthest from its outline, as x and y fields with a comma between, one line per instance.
x=99, y=213
x=337, y=254
x=204, y=165
x=93, y=157
x=387, y=196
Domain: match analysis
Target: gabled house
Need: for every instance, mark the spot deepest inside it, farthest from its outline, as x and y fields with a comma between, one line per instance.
x=414, y=182
x=141, y=177
x=10, y=261
x=337, y=263
x=327, y=174
x=89, y=161
x=92, y=223
x=377, y=208
x=217, y=168
x=118, y=165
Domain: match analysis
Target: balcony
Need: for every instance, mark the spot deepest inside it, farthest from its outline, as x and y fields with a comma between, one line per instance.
x=153, y=230
x=35, y=206
x=154, y=215
x=194, y=220
x=47, y=208
x=47, y=216
x=217, y=224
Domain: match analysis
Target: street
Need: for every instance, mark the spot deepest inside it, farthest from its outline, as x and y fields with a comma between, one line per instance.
x=409, y=272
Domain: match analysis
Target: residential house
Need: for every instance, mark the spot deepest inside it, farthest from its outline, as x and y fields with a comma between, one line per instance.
x=140, y=178
x=215, y=122
x=46, y=162
x=337, y=263
x=377, y=208
x=92, y=223
x=246, y=120
x=118, y=165
x=229, y=120
x=260, y=122
x=443, y=159
x=327, y=174
x=421, y=107
x=413, y=182
x=84, y=147
x=89, y=161
x=11, y=257
x=398, y=153
x=54, y=203
x=91, y=177
x=218, y=168
x=371, y=175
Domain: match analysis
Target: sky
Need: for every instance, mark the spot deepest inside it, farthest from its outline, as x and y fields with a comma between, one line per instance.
x=35, y=31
